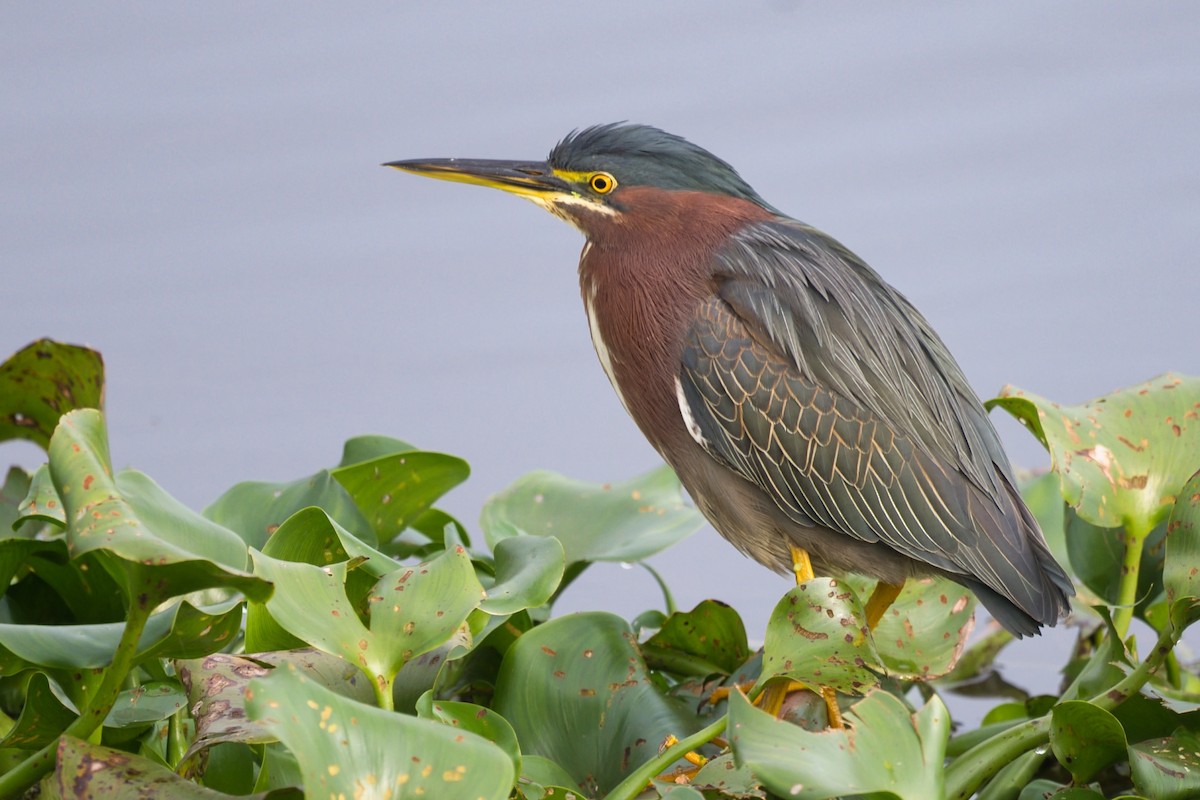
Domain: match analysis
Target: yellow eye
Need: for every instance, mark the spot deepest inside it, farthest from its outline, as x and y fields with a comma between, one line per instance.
x=602, y=183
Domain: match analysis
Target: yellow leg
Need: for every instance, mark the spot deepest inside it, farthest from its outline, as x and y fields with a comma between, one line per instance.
x=801, y=564
x=802, y=569
x=880, y=601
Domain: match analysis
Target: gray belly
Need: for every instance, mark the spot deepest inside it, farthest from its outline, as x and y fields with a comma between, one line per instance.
x=747, y=517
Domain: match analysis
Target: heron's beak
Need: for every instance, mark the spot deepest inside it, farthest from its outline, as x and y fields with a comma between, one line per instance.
x=532, y=179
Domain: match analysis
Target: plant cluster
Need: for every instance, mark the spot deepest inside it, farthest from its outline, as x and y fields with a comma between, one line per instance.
x=340, y=636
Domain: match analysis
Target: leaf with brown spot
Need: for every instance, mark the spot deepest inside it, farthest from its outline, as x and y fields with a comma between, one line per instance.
x=87, y=771
x=43, y=381
x=148, y=535
x=342, y=746
x=216, y=690
x=1122, y=458
x=1180, y=572
x=604, y=717
x=817, y=635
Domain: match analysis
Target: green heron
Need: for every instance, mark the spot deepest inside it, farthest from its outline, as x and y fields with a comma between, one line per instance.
x=808, y=408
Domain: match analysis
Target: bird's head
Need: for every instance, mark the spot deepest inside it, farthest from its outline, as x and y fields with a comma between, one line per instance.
x=586, y=173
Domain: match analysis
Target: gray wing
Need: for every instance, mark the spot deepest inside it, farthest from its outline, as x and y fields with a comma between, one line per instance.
x=811, y=377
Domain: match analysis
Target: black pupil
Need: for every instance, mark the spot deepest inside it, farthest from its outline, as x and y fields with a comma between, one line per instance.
x=599, y=183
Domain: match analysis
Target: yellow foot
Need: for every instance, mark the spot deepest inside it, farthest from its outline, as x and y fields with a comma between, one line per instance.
x=682, y=774
x=723, y=692
x=776, y=692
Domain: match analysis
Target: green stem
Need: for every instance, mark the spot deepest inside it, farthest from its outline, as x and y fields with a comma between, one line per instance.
x=976, y=766
x=637, y=780
x=383, y=692
x=1127, y=587
x=33, y=768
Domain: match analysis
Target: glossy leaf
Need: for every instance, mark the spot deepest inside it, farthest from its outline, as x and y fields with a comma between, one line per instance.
x=88, y=771
x=577, y=692
x=923, y=633
x=346, y=748
x=132, y=519
x=1085, y=738
x=146, y=703
x=256, y=509
x=393, y=490
x=412, y=609
x=477, y=719
x=1097, y=555
x=885, y=749
x=43, y=381
x=1014, y=777
x=1181, y=571
x=415, y=609
x=1167, y=768
x=625, y=521
x=723, y=776
x=311, y=536
x=39, y=503
x=709, y=639
x=43, y=718
x=1121, y=458
x=181, y=630
x=528, y=571
x=817, y=635
x=358, y=449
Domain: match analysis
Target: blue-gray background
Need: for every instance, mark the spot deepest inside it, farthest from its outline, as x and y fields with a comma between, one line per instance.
x=194, y=189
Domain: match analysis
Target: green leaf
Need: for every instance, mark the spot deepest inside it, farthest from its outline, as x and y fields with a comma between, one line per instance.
x=415, y=609
x=1097, y=555
x=546, y=773
x=149, y=702
x=1085, y=738
x=1121, y=458
x=133, y=520
x=1167, y=768
x=412, y=609
x=817, y=635
x=41, y=502
x=88, y=771
x=181, y=630
x=922, y=634
x=476, y=719
x=358, y=449
x=344, y=747
x=43, y=381
x=255, y=509
x=1181, y=571
x=885, y=749
x=528, y=571
x=724, y=776
x=1015, y=775
x=709, y=639
x=625, y=521
x=311, y=536
x=577, y=692
x=44, y=716
x=392, y=491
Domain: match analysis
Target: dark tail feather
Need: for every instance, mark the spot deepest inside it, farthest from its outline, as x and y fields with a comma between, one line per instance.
x=1026, y=613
